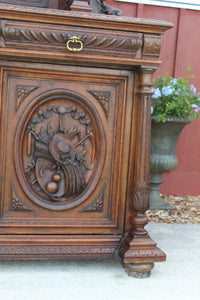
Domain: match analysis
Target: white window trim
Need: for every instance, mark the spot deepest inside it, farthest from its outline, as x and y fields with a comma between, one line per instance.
x=193, y=4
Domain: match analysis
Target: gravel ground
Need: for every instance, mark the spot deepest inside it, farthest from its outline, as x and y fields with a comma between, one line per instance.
x=186, y=210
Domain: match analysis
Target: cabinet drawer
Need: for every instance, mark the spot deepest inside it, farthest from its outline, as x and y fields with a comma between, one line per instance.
x=69, y=42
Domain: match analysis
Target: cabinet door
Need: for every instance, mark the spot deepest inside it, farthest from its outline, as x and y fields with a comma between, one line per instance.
x=64, y=151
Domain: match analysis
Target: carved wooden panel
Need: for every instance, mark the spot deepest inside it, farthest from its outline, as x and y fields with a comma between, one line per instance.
x=60, y=151
x=61, y=133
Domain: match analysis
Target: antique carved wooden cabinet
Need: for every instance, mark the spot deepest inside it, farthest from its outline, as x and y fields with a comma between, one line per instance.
x=75, y=135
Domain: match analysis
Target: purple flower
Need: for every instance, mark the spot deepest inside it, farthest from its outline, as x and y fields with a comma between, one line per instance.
x=193, y=90
x=167, y=90
x=156, y=94
x=195, y=107
x=173, y=81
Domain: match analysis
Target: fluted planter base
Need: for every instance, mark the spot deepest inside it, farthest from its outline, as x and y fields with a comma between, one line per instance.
x=158, y=203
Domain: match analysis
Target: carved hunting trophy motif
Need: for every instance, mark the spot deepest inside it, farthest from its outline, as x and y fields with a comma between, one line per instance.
x=61, y=146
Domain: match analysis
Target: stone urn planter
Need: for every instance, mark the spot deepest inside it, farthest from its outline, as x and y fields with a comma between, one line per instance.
x=164, y=138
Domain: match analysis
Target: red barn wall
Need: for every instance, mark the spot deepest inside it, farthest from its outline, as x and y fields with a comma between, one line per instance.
x=180, y=49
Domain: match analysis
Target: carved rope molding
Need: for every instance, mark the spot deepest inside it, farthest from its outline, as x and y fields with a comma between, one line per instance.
x=91, y=40
x=42, y=250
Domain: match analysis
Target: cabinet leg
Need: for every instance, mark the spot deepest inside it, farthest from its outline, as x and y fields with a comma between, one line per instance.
x=139, y=270
x=138, y=251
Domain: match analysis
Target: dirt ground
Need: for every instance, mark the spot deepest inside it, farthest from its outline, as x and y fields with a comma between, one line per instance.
x=186, y=210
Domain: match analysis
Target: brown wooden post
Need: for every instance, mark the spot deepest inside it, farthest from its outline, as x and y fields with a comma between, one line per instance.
x=138, y=246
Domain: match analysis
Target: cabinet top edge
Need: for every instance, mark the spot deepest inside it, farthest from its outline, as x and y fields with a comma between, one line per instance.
x=91, y=20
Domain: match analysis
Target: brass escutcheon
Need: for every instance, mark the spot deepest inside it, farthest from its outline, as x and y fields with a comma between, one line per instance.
x=75, y=40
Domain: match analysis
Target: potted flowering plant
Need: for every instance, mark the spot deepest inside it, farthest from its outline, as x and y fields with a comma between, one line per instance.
x=174, y=104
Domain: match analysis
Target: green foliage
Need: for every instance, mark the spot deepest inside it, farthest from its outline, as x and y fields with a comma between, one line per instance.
x=175, y=97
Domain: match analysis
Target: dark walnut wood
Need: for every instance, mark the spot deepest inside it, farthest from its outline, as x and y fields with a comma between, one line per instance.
x=75, y=135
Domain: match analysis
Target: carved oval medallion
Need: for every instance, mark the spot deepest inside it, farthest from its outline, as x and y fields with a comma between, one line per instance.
x=57, y=149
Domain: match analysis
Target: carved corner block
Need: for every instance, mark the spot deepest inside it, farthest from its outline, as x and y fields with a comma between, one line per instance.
x=152, y=45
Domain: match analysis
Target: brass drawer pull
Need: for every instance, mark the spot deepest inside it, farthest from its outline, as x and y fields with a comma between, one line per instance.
x=77, y=42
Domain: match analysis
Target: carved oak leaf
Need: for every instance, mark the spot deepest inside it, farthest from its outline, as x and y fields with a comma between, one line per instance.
x=22, y=91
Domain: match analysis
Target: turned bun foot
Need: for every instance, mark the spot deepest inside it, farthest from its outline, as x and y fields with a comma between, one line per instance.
x=142, y=270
